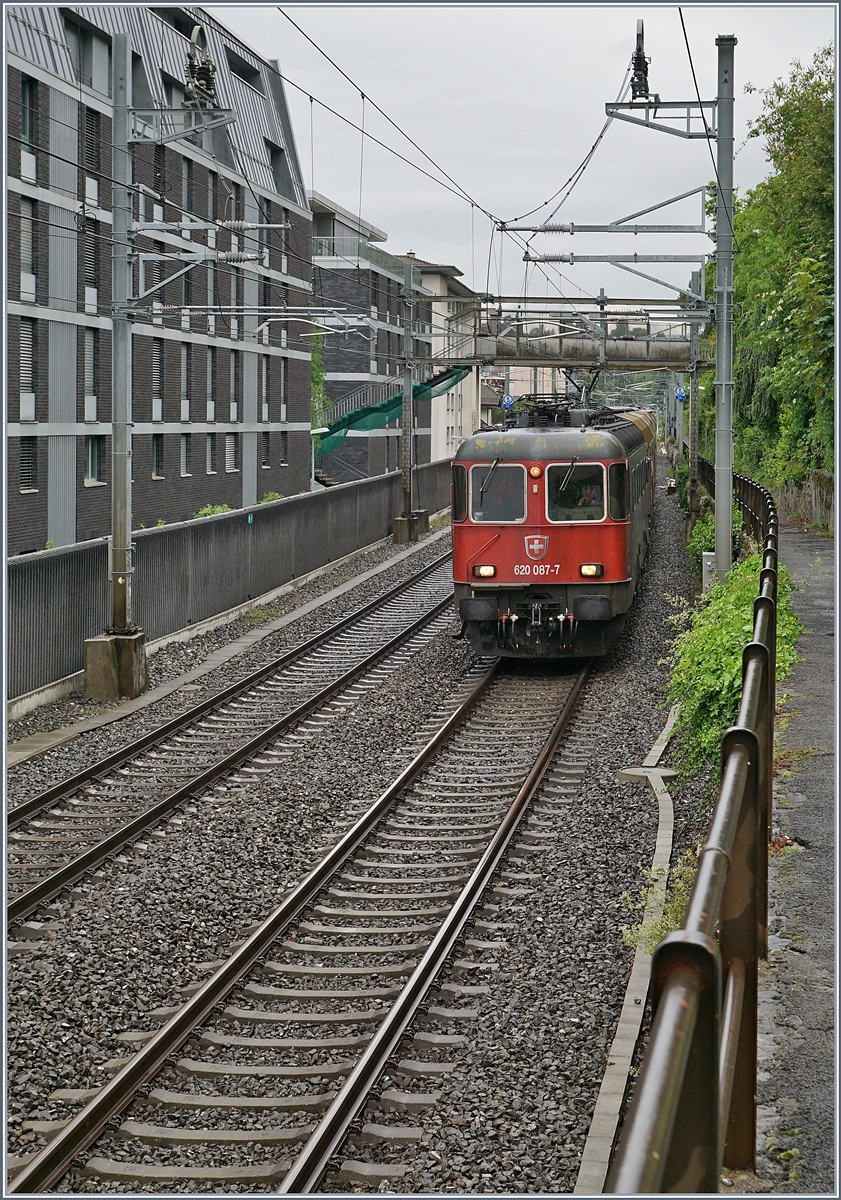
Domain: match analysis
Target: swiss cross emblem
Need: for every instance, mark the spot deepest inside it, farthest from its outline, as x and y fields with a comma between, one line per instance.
x=537, y=546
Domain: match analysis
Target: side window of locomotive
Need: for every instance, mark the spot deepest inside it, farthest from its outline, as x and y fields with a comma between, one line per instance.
x=498, y=493
x=618, y=484
x=575, y=494
x=459, y=497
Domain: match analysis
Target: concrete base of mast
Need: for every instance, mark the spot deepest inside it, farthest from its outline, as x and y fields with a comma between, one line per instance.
x=406, y=529
x=115, y=666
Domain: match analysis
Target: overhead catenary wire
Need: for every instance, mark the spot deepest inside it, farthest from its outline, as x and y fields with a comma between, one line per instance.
x=461, y=191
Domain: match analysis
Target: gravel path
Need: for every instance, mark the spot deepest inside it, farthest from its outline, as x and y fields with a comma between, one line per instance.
x=174, y=660
x=514, y=1115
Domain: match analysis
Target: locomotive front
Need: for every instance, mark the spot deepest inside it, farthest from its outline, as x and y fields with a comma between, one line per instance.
x=550, y=528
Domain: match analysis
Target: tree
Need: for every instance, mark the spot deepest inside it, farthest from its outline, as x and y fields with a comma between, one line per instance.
x=319, y=403
x=783, y=366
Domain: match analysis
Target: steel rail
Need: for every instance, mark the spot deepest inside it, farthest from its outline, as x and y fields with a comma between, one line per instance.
x=325, y=1140
x=27, y=902
x=48, y=1166
x=22, y=812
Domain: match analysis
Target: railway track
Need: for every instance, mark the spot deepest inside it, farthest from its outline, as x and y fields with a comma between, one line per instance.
x=319, y=998
x=57, y=837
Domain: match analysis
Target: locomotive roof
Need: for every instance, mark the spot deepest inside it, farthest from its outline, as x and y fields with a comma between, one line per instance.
x=554, y=442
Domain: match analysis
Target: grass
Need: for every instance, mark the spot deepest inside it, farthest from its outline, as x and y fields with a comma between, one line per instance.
x=647, y=933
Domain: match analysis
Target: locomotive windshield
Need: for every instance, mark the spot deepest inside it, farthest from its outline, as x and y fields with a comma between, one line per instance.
x=497, y=492
x=575, y=492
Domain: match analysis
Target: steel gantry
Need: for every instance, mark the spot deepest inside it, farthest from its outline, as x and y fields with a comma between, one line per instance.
x=711, y=120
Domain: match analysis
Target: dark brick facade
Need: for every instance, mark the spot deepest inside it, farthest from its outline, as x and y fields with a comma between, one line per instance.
x=174, y=496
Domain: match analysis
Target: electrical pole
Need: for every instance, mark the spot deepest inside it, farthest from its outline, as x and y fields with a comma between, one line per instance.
x=406, y=526
x=679, y=409
x=724, y=311
x=121, y=206
x=115, y=664
x=694, y=338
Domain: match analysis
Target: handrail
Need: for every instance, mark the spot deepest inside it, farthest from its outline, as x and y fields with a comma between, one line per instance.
x=694, y=1107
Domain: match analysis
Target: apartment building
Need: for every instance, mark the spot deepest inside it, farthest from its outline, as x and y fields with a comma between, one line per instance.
x=455, y=414
x=364, y=366
x=220, y=392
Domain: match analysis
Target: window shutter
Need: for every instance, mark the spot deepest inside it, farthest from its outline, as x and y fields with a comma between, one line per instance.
x=27, y=214
x=230, y=451
x=27, y=346
x=157, y=367
x=28, y=477
x=90, y=362
x=91, y=139
x=90, y=253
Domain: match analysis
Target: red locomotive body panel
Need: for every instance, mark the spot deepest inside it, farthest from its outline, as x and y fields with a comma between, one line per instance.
x=539, y=549
x=550, y=530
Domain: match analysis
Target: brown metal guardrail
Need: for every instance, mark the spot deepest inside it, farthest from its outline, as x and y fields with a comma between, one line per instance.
x=694, y=1107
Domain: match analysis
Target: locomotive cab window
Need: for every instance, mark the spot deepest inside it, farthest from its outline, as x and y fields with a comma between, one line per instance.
x=575, y=492
x=618, y=485
x=459, y=500
x=498, y=493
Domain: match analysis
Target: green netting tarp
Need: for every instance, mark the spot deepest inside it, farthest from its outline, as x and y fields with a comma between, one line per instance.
x=376, y=416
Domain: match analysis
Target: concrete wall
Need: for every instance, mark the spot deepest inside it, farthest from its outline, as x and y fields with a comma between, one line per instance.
x=187, y=572
x=813, y=502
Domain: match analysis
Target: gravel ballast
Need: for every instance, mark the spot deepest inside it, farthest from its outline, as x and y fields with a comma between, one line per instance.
x=514, y=1114
x=174, y=660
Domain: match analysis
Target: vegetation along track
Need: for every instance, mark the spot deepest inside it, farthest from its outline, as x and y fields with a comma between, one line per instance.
x=60, y=835
x=321, y=994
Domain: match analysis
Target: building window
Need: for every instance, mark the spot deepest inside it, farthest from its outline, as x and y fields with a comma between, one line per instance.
x=185, y=381
x=27, y=248
x=27, y=369
x=211, y=383
x=284, y=387
x=157, y=456
x=91, y=252
x=284, y=448
x=185, y=454
x=212, y=193
x=159, y=170
x=92, y=141
x=211, y=454
x=265, y=460
x=94, y=460
x=236, y=373
x=234, y=301
x=264, y=387
x=90, y=54
x=157, y=380
x=28, y=112
x=187, y=184
x=91, y=356
x=231, y=463
x=28, y=470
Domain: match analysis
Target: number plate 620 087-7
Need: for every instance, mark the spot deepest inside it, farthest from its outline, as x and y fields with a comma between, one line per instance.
x=537, y=570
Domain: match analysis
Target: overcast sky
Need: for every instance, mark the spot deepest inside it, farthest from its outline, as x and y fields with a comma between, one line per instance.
x=508, y=99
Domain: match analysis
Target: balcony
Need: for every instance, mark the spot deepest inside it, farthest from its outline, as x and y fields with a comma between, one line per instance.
x=357, y=248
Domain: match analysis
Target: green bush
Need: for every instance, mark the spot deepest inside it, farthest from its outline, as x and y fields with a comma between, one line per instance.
x=706, y=659
x=702, y=539
x=210, y=510
x=682, y=479
x=269, y=496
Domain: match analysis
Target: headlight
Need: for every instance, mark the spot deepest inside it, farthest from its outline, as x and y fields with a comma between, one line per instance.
x=591, y=570
x=484, y=572
x=535, y=472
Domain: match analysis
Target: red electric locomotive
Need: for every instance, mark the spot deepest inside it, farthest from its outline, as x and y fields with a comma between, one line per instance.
x=551, y=521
